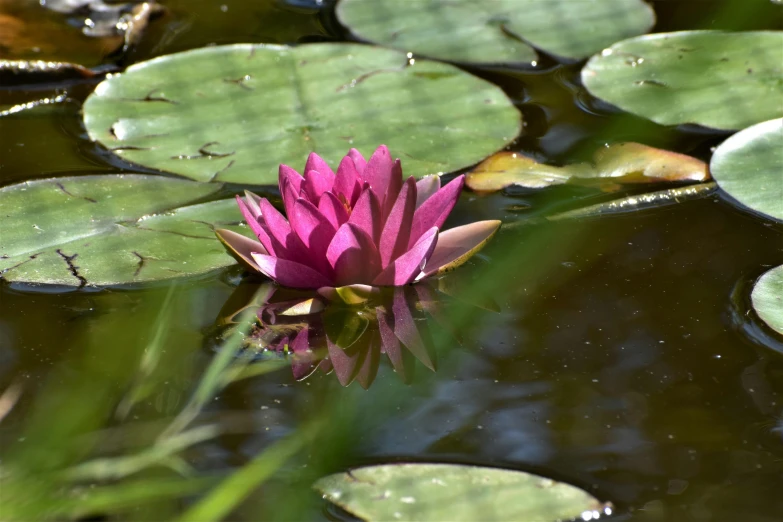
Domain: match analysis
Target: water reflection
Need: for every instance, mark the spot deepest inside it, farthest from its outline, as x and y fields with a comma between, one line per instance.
x=349, y=340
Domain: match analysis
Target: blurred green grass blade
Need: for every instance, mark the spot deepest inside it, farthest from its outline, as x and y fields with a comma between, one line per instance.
x=214, y=378
x=225, y=497
x=21, y=503
x=119, y=467
x=130, y=494
x=260, y=368
x=143, y=386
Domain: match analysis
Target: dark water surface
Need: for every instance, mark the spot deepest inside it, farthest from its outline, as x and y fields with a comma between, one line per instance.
x=624, y=359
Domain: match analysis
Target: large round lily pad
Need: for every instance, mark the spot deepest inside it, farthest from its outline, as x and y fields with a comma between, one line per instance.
x=110, y=229
x=429, y=492
x=767, y=298
x=749, y=167
x=233, y=113
x=713, y=78
x=496, y=31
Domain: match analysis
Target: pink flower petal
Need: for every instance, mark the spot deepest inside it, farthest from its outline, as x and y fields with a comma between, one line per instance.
x=346, y=363
x=283, y=241
x=315, y=232
x=396, y=232
x=252, y=201
x=378, y=172
x=434, y=211
x=315, y=162
x=406, y=331
x=287, y=173
x=391, y=345
x=347, y=182
x=290, y=193
x=457, y=245
x=305, y=361
x=353, y=256
x=358, y=160
x=290, y=273
x=426, y=187
x=276, y=225
x=332, y=209
x=393, y=189
x=367, y=214
x=257, y=226
x=408, y=266
x=314, y=185
x=372, y=358
x=240, y=247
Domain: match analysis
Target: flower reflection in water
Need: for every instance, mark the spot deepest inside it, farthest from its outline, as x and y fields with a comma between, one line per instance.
x=348, y=333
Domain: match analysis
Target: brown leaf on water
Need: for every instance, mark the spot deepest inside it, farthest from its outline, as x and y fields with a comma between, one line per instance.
x=637, y=163
x=50, y=31
x=512, y=168
x=613, y=166
x=30, y=32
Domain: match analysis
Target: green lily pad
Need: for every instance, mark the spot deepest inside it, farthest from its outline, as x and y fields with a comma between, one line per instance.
x=432, y=492
x=749, y=167
x=767, y=298
x=500, y=31
x=713, y=78
x=110, y=230
x=234, y=113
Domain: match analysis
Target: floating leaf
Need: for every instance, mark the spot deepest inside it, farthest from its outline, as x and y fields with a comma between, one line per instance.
x=233, y=113
x=619, y=163
x=497, y=31
x=110, y=229
x=637, y=163
x=512, y=168
x=428, y=492
x=713, y=78
x=767, y=298
x=749, y=167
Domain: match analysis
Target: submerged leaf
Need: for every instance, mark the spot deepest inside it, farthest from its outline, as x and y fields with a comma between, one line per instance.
x=619, y=163
x=427, y=492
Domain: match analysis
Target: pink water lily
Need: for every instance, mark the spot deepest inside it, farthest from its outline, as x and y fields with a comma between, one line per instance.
x=362, y=226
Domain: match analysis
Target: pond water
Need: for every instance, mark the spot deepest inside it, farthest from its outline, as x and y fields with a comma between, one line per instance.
x=623, y=358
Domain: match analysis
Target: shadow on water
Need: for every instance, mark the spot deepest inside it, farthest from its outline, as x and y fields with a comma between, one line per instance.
x=622, y=359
